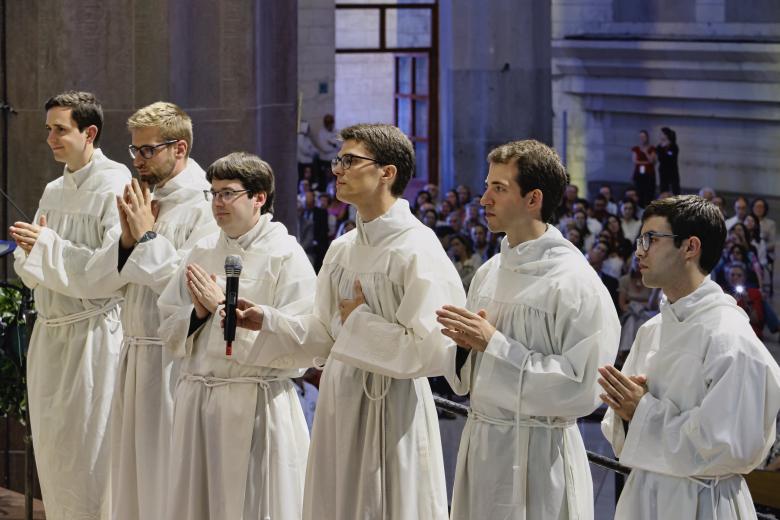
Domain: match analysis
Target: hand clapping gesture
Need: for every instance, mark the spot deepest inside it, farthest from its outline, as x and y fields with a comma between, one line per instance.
x=137, y=212
x=26, y=235
x=205, y=293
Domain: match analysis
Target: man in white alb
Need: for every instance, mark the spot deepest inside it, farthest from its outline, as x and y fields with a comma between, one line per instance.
x=73, y=359
x=376, y=450
x=239, y=440
x=537, y=326
x=156, y=231
x=694, y=407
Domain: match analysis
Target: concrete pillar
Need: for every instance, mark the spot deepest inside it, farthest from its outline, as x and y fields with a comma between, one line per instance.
x=232, y=65
x=317, y=61
x=496, y=90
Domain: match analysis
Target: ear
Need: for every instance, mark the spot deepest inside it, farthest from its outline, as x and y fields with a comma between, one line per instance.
x=92, y=132
x=180, y=149
x=259, y=200
x=388, y=175
x=535, y=199
x=693, y=247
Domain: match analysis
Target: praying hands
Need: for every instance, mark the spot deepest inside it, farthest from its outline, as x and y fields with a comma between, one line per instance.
x=623, y=393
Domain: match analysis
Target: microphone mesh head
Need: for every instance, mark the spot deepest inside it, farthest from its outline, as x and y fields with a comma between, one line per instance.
x=232, y=265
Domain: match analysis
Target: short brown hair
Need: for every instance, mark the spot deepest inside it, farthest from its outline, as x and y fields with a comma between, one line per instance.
x=85, y=109
x=173, y=122
x=538, y=167
x=389, y=146
x=255, y=175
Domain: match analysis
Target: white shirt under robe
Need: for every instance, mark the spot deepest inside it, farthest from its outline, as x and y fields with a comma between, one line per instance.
x=708, y=417
x=143, y=404
x=521, y=454
x=376, y=449
x=74, y=349
x=239, y=439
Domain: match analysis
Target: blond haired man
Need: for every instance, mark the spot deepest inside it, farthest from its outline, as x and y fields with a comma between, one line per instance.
x=143, y=253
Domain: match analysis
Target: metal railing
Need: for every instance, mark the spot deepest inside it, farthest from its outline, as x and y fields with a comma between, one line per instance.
x=594, y=458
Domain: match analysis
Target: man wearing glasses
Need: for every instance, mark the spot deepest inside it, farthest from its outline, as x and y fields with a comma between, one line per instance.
x=74, y=349
x=376, y=449
x=695, y=405
x=239, y=435
x=154, y=232
x=538, y=324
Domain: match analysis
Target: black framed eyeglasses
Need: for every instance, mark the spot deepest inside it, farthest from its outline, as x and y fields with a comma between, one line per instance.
x=147, y=151
x=346, y=160
x=645, y=239
x=224, y=195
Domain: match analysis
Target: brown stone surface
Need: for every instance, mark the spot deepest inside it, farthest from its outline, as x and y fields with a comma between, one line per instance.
x=232, y=65
x=12, y=506
x=12, y=461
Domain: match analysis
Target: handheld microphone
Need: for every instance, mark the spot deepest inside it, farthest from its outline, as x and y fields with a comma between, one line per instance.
x=232, y=272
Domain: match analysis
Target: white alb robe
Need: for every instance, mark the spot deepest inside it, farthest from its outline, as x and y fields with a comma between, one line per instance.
x=239, y=439
x=521, y=454
x=708, y=417
x=74, y=350
x=376, y=449
x=143, y=404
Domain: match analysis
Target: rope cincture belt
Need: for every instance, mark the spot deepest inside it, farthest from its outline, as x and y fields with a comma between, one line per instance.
x=711, y=483
x=263, y=382
x=143, y=341
x=79, y=316
x=378, y=397
x=522, y=438
x=600, y=460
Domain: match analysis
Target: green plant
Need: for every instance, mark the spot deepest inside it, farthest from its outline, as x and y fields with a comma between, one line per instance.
x=13, y=393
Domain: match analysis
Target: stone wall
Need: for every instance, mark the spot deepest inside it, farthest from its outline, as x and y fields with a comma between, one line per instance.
x=232, y=65
x=706, y=69
x=316, y=60
x=495, y=82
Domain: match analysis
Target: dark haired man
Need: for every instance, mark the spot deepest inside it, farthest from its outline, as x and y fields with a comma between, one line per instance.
x=376, y=449
x=240, y=438
x=695, y=405
x=538, y=324
x=74, y=349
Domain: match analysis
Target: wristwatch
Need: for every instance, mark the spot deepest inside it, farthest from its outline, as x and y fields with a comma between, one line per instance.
x=149, y=235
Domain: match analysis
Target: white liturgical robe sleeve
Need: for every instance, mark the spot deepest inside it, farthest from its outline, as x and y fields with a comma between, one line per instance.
x=720, y=436
x=304, y=339
x=67, y=267
x=586, y=336
x=292, y=296
x=413, y=346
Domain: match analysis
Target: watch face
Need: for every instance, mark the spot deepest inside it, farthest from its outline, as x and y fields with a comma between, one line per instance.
x=149, y=235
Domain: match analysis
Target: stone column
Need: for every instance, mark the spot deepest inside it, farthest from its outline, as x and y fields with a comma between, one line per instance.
x=495, y=82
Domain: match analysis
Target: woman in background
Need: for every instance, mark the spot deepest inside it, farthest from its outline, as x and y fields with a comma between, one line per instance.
x=644, y=157
x=667, y=152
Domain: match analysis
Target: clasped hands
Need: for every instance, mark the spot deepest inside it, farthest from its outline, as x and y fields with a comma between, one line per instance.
x=467, y=329
x=622, y=392
x=473, y=331
x=204, y=291
x=137, y=212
